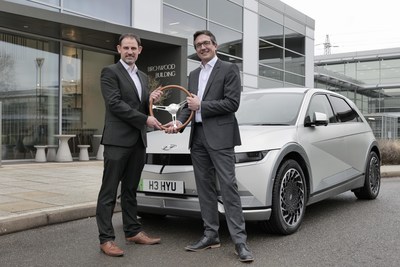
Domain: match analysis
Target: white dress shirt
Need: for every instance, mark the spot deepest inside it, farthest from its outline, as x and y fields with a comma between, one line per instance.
x=203, y=79
x=133, y=72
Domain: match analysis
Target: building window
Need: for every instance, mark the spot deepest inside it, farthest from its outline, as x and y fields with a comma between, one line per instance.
x=198, y=7
x=368, y=72
x=116, y=11
x=294, y=63
x=29, y=71
x=181, y=24
x=270, y=31
x=229, y=41
x=390, y=71
x=226, y=13
x=294, y=41
x=270, y=55
x=281, y=56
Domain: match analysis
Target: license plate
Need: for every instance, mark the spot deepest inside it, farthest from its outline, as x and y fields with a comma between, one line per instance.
x=162, y=186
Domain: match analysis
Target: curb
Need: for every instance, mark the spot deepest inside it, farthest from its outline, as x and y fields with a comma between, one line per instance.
x=390, y=174
x=32, y=220
x=18, y=223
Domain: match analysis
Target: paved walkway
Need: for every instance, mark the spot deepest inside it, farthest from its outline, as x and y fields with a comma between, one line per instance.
x=38, y=194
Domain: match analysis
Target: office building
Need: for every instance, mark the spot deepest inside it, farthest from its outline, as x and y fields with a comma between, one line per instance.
x=52, y=53
x=371, y=79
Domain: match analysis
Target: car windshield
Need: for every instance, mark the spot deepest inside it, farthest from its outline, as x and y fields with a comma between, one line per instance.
x=269, y=108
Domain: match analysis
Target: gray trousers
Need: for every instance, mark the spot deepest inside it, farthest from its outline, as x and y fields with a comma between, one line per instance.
x=208, y=164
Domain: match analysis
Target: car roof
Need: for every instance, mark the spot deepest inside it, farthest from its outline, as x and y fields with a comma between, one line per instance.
x=301, y=90
x=285, y=90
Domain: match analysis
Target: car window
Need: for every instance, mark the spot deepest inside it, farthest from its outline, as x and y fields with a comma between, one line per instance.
x=320, y=103
x=269, y=108
x=344, y=112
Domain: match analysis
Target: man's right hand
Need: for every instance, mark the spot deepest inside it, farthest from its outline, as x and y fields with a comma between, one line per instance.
x=152, y=122
x=169, y=127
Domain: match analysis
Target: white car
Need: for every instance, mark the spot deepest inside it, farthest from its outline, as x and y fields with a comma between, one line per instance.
x=299, y=146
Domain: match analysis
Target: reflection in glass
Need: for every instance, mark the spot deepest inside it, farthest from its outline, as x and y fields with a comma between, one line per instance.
x=266, y=109
x=232, y=15
x=29, y=94
x=181, y=24
x=229, y=41
x=270, y=31
x=71, y=83
x=270, y=72
x=295, y=79
x=43, y=4
x=118, y=11
x=294, y=62
x=294, y=41
x=390, y=69
x=271, y=55
x=264, y=82
x=197, y=7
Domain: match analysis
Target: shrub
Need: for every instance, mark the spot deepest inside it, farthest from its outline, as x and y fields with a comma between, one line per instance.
x=390, y=151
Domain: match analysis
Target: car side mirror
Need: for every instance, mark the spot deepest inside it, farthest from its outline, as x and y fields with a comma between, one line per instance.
x=318, y=119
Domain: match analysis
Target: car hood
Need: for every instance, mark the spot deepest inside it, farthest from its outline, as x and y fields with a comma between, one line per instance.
x=254, y=138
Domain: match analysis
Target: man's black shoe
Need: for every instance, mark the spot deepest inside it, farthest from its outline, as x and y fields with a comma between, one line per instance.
x=204, y=243
x=243, y=252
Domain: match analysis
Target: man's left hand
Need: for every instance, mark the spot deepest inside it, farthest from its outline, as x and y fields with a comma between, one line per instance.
x=156, y=95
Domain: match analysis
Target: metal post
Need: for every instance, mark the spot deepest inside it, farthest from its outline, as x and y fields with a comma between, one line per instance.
x=1, y=134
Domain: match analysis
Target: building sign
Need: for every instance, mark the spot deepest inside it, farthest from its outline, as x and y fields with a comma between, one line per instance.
x=162, y=71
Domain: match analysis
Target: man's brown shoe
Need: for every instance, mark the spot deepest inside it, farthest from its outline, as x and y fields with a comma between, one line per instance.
x=143, y=238
x=111, y=249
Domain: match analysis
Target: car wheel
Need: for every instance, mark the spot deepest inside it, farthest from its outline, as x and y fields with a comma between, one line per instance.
x=289, y=196
x=372, y=182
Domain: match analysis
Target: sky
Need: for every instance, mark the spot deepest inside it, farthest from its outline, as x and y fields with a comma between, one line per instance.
x=352, y=25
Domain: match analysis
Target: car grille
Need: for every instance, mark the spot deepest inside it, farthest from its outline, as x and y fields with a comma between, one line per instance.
x=168, y=159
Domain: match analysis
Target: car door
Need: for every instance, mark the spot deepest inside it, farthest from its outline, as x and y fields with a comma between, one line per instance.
x=325, y=146
x=356, y=132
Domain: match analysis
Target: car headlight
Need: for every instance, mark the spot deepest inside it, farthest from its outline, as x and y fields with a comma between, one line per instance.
x=250, y=156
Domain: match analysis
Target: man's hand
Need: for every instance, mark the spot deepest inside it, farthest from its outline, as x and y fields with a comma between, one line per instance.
x=193, y=102
x=152, y=122
x=169, y=127
x=156, y=95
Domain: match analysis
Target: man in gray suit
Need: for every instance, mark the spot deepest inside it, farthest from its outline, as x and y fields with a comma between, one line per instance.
x=126, y=98
x=215, y=87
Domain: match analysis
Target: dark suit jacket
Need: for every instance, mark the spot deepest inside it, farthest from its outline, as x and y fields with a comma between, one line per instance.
x=126, y=115
x=220, y=101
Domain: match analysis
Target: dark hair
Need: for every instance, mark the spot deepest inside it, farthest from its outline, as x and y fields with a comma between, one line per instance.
x=205, y=32
x=129, y=35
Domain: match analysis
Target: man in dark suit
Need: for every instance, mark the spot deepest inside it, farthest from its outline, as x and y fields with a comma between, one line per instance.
x=215, y=87
x=126, y=98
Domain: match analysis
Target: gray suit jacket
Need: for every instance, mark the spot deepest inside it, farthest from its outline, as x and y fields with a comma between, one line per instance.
x=220, y=101
x=126, y=115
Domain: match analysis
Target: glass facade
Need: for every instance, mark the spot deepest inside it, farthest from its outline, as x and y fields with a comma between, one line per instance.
x=29, y=91
x=371, y=80
x=29, y=87
x=183, y=18
x=281, y=53
x=97, y=9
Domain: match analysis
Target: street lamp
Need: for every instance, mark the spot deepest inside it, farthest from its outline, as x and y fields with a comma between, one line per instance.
x=39, y=64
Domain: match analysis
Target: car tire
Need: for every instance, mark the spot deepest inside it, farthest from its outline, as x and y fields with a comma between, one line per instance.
x=289, y=196
x=372, y=182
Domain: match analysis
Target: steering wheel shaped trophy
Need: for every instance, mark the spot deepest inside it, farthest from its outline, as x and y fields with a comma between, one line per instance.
x=172, y=108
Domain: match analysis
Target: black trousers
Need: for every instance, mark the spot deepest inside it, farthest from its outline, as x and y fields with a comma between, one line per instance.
x=125, y=165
